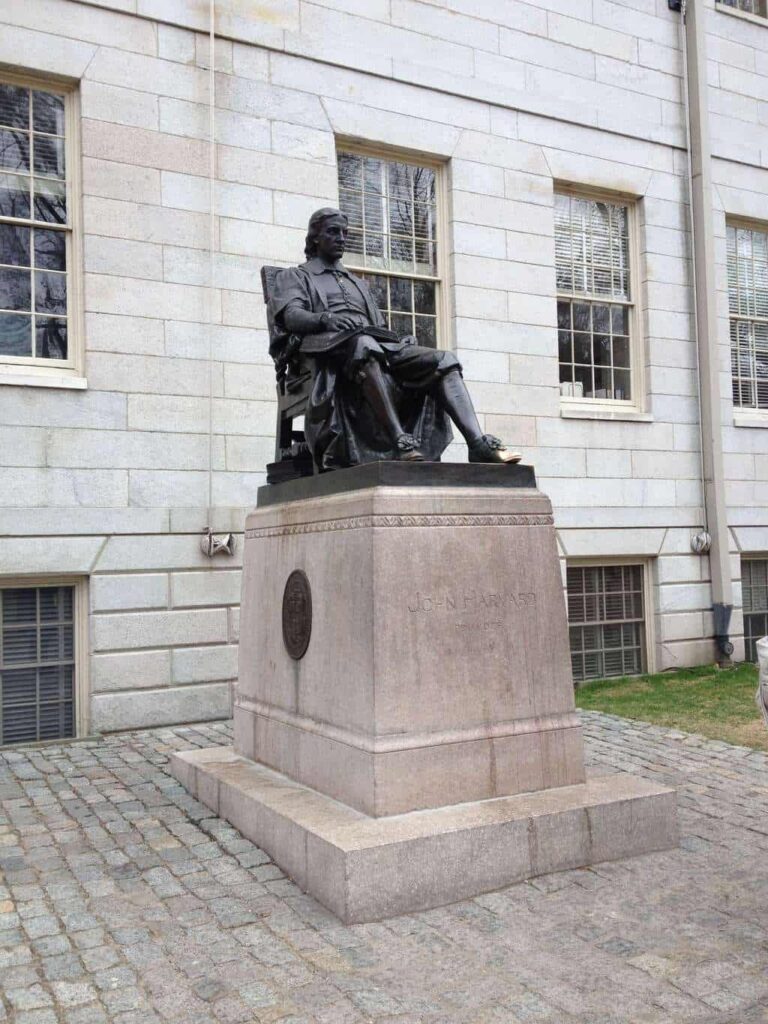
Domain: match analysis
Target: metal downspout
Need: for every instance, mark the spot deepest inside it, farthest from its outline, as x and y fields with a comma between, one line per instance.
x=705, y=301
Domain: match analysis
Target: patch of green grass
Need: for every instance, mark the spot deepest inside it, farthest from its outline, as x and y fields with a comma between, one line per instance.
x=718, y=703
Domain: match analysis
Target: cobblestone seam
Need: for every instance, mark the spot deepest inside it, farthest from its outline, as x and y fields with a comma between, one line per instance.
x=122, y=900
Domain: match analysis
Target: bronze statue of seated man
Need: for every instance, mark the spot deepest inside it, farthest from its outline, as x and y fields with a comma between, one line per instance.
x=374, y=395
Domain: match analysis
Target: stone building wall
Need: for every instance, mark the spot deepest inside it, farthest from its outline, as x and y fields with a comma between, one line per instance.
x=110, y=483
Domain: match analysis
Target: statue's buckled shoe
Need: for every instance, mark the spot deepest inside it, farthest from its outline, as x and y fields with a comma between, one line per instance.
x=490, y=449
x=408, y=449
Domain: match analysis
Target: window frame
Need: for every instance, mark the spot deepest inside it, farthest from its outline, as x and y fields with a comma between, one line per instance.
x=736, y=12
x=443, y=331
x=612, y=408
x=649, y=607
x=69, y=372
x=743, y=415
x=82, y=687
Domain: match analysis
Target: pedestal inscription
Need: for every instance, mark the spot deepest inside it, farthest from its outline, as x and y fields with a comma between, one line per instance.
x=474, y=618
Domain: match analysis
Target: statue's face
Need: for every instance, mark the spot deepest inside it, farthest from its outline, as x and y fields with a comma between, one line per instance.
x=331, y=239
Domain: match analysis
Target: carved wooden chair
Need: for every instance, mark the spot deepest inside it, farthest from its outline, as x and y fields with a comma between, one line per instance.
x=294, y=372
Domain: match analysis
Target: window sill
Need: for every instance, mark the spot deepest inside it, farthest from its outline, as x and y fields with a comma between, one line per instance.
x=750, y=418
x=42, y=380
x=586, y=410
x=756, y=19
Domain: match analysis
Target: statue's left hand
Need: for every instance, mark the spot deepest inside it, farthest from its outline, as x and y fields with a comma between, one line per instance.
x=342, y=323
x=409, y=339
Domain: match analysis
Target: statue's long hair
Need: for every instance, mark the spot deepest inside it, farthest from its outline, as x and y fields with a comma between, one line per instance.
x=315, y=223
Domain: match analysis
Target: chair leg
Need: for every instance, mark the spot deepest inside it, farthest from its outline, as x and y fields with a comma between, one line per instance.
x=278, y=433
x=286, y=432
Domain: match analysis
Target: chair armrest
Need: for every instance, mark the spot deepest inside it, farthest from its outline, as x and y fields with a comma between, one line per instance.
x=287, y=356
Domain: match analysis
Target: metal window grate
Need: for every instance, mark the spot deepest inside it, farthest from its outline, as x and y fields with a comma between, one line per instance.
x=606, y=620
x=754, y=589
x=37, y=664
x=392, y=211
x=594, y=297
x=748, y=304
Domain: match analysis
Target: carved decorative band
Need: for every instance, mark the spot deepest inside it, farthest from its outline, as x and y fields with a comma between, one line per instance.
x=365, y=522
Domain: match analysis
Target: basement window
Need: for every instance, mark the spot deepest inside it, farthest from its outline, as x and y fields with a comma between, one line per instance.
x=37, y=664
x=754, y=589
x=606, y=619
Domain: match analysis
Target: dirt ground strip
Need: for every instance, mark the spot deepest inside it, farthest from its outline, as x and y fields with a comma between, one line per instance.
x=122, y=900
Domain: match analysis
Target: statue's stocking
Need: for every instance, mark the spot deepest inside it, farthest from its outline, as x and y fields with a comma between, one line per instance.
x=451, y=392
x=379, y=398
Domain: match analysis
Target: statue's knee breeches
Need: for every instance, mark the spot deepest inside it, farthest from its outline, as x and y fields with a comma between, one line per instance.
x=362, y=349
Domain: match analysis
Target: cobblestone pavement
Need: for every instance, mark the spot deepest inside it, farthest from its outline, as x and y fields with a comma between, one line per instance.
x=122, y=900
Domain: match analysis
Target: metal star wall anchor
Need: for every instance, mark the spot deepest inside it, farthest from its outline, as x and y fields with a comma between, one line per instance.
x=212, y=544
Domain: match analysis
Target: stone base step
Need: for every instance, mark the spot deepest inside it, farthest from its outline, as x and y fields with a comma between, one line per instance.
x=366, y=869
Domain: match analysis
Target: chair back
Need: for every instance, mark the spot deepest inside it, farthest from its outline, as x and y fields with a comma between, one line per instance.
x=268, y=275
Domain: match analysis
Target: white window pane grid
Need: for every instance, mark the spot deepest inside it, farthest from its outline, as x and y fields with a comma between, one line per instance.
x=592, y=265
x=754, y=589
x=606, y=621
x=748, y=303
x=392, y=213
x=33, y=225
x=391, y=206
x=747, y=272
x=37, y=664
x=758, y=7
x=392, y=210
x=749, y=363
x=407, y=304
x=594, y=348
x=591, y=248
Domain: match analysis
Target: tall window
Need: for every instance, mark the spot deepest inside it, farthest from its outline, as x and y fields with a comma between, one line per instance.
x=594, y=297
x=606, y=620
x=758, y=7
x=392, y=211
x=754, y=589
x=748, y=304
x=37, y=664
x=34, y=226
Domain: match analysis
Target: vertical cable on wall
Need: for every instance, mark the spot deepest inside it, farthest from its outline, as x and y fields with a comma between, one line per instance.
x=211, y=238
x=212, y=544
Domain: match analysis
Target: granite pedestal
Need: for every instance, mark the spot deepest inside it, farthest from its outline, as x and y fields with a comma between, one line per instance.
x=425, y=747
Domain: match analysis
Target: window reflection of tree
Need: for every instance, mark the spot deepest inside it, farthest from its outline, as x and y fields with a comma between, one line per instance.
x=51, y=208
x=33, y=283
x=14, y=150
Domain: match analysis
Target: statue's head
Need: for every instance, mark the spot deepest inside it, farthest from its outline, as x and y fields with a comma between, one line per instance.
x=326, y=234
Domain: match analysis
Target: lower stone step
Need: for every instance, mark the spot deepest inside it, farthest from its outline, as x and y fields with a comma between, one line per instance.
x=366, y=869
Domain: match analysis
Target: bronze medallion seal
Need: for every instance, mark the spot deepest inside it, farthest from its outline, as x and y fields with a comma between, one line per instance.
x=297, y=614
